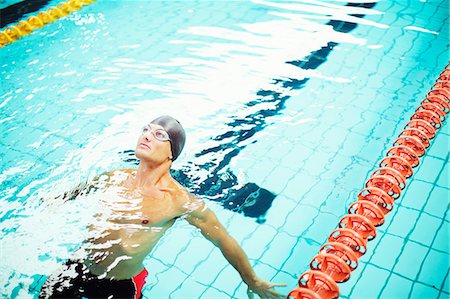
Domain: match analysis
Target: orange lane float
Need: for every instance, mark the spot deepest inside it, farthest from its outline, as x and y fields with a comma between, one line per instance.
x=13, y=33
x=391, y=172
x=332, y=265
x=379, y=197
x=342, y=251
x=423, y=126
x=386, y=183
x=369, y=210
x=411, y=142
x=350, y=239
x=339, y=256
x=423, y=138
x=320, y=283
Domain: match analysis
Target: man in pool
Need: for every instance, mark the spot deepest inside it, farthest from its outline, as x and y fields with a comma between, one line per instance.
x=140, y=206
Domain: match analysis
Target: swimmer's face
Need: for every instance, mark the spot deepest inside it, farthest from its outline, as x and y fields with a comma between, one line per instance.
x=153, y=144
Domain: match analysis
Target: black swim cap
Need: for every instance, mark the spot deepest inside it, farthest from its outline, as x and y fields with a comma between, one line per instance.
x=176, y=133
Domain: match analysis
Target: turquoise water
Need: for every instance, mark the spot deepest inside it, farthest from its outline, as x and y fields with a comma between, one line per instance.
x=73, y=91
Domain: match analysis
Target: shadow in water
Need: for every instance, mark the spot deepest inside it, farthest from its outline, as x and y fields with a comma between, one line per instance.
x=15, y=12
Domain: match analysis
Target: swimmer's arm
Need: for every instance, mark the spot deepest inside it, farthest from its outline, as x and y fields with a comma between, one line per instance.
x=210, y=227
x=83, y=188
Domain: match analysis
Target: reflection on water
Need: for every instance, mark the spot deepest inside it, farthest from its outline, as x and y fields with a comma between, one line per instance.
x=222, y=80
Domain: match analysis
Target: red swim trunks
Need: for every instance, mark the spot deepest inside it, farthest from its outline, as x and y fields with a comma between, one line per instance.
x=75, y=281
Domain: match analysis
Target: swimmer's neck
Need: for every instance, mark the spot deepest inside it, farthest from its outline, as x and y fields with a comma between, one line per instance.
x=148, y=175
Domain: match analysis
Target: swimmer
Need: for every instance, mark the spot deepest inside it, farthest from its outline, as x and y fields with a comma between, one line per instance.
x=139, y=206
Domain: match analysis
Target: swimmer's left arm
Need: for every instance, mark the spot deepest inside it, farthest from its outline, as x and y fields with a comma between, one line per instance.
x=211, y=228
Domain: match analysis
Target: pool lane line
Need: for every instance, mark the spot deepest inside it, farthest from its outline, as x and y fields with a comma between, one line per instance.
x=339, y=256
x=13, y=33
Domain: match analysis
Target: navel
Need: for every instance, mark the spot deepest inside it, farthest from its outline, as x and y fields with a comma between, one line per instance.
x=145, y=221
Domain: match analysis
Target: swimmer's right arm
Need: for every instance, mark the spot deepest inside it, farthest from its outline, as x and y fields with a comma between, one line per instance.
x=83, y=188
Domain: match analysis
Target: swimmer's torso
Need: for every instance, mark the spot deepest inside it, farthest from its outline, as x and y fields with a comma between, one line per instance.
x=127, y=227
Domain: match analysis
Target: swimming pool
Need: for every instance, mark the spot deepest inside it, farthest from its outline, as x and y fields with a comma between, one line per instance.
x=306, y=134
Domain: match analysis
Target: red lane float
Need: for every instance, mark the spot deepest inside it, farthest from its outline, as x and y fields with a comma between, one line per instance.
x=342, y=251
x=405, y=152
x=369, y=210
x=423, y=138
x=319, y=282
x=349, y=238
x=422, y=126
x=331, y=265
x=412, y=142
x=339, y=256
x=399, y=164
x=386, y=183
x=379, y=197
x=391, y=172
x=359, y=224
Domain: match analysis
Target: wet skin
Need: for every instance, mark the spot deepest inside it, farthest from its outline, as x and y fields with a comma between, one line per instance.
x=139, y=205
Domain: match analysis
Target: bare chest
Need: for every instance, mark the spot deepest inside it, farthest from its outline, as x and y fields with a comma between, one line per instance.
x=148, y=210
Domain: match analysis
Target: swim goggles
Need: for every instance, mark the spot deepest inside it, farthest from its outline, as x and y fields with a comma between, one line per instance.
x=159, y=134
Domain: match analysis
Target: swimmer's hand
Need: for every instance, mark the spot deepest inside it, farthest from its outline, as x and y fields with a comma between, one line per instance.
x=264, y=289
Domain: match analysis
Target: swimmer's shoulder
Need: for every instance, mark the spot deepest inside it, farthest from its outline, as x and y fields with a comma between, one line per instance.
x=184, y=200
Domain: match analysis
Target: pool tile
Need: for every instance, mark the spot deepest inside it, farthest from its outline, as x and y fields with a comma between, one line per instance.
x=416, y=195
x=353, y=144
x=370, y=283
x=425, y=229
x=277, y=179
x=208, y=269
x=429, y=169
x=300, y=220
x=210, y=294
x=264, y=271
x=422, y=291
x=281, y=208
x=298, y=261
x=396, y=287
x=409, y=260
x=169, y=251
x=296, y=158
x=241, y=227
x=279, y=250
x=386, y=251
x=322, y=226
x=445, y=128
x=227, y=280
x=255, y=246
x=439, y=147
x=443, y=180
x=347, y=287
x=189, y=286
x=164, y=283
x=317, y=164
x=441, y=242
x=446, y=283
x=438, y=203
x=201, y=247
x=260, y=170
x=282, y=277
x=434, y=269
x=333, y=139
x=299, y=185
x=402, y=221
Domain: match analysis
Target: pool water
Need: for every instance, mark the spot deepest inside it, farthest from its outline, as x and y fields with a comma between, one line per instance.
x=291, y=104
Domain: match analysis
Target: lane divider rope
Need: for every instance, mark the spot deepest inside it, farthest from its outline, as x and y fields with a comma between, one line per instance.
x=346, y=244
x=13, y=33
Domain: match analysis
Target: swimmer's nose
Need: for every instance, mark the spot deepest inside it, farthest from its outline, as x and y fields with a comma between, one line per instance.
x=149, y=136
